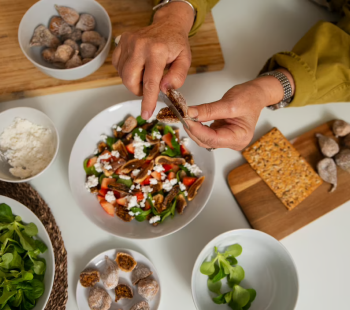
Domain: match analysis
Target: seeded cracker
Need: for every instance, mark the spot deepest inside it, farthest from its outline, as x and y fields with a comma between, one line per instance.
x=282, y=168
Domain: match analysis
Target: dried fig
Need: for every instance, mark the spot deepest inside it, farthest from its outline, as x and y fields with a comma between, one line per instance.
x=129, y=125
x=87, y=50
x=346, y=141
x=123, y=291
x=99, y=299
x=148, y=288
x=74, y=62
x=69, y=15
x=72, y=44
x=143, y=305
x=86, y=22
x=49, y=54
x=92, y=37
x=59, y=27
x=75, y=35
x=342, y=159
x=43, y=37
x=63, y=53
x=86, y=60
x=328, y=146
x=101, y=47
x=89, y=277
x=328, y=171
x=341, y=128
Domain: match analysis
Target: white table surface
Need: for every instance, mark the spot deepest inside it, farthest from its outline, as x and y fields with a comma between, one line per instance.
x=250, y=31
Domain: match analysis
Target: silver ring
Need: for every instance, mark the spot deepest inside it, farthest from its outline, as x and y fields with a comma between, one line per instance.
x=211, y=149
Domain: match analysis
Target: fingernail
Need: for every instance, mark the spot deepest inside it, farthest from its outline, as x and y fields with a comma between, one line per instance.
x=145, y=115
x=192, y=112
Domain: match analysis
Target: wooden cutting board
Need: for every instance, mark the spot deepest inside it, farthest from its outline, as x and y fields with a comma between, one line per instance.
x=266, y=212
x=20, y=79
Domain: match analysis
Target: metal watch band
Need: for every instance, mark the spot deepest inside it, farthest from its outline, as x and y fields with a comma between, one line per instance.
x=287, y=89
x=165, y=2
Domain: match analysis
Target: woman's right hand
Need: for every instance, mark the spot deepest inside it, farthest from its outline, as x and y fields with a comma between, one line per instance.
x=142, y=56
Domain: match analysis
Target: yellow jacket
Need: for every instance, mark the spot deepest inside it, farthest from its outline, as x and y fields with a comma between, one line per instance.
x=319, y=62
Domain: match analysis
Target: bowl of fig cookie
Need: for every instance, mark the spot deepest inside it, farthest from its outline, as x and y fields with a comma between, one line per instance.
x=66, y=39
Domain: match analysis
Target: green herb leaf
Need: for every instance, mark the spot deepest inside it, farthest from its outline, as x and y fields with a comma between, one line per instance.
x=140, y=132
x=27, y=242
x=153, y=208
x=214, y=287
x=6, y=215
x=39, y=267
x=140, y=121
x=110, y=141
x=232, y=260
x=127, y=182
x=90, y=170
x=228, y=297
x=6, y=295
x=219, y=300
x=252, y=293
x=188, y=172
x=208, y=268
x=240, y=295
x=220, y=275
x=236, y=275
x=168, y=129
x=233, y=250
x=31, y=229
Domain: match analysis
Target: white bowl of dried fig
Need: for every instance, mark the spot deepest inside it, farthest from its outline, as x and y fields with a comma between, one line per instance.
x=66, y=39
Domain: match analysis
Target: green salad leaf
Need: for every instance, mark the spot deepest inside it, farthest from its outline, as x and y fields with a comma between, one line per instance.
x=21, y=269
x=140, y=121
x=110, y=141
x=88, y=170
x=127, y=182
x=140, y=132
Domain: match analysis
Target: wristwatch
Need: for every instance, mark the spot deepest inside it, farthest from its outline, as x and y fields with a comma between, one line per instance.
x=287, y=89
x=165, y=2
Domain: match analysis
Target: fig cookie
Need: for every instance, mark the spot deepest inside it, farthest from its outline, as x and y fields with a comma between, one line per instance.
x=110, y=274
x=143, y=305
x=148, y=288
x=165, y=115
x=126, y=262
x=89, y=277
x=123, y=291
x=99, y=299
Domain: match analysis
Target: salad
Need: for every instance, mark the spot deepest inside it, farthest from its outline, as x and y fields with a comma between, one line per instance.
x=143, y=172
x=22, y=271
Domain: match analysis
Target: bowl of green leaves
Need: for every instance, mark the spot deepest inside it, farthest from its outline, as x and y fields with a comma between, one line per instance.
x=244, y=269
x=27, y=264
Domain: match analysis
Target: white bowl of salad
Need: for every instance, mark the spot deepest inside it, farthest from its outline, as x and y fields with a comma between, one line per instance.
x=138, y=179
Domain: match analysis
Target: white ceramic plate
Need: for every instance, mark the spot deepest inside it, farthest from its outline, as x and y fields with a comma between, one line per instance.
x=124, y=277
x=29, y=217
x=268, y=266
x=36, y=117
x=85, y=145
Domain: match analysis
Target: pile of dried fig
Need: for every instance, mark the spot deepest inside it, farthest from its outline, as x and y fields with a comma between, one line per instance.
x=335, y=155
x=70, y=39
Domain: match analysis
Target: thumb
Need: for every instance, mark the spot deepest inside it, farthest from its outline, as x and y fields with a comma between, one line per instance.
x=177, y=73
x=211, y=111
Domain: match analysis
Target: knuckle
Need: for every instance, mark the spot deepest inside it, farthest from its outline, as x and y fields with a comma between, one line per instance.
x=178, y=79
x=150, y=85
x=158, y=48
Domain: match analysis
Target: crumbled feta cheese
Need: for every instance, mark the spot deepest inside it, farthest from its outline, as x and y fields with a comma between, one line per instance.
x=132, y=202
x=139, y=145
x=132, y=187
x=138, y=186
x=131, y=213
x=153, y=201
x=110, y=177
x=161, y=147
x=163, y=176
x=114, y=126
x=96, y=151
x=110, y=197
x=182, y=186
x=154, y=219
x=104, y=156
x=130, y=191
x=124, y=177
x=136, y=172
x=176, y=139
x=98, y=167
x=147, y=189
x=185, y=141
x=149, y=172
x=158, y=135
x=167, y=186
x=166, y=148
x=103, y=137
x=151, y=119
x=115, y=154
x=142, y=204
x=119, y=128
x=92, y=181
x=193, y=169
x=108, y=167
x=140, y=129
x=137, y=213
x=185, y=193
x=158, y=168
x=173, y=181
x=153, y=181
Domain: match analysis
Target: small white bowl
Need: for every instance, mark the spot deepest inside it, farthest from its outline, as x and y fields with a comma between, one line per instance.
x=41, y=13
x=269, y=269
x=36, y=117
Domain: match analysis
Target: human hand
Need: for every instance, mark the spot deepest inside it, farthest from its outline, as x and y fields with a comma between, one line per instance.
x=142, y=56
x=236, y=114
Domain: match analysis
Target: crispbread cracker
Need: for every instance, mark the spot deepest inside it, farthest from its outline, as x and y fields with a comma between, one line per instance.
x=282, y=168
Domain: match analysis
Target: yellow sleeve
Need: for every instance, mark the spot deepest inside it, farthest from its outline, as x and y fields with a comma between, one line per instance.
x=319, y=63
x=202, y=7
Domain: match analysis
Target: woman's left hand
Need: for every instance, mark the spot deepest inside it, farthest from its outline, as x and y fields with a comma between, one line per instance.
x=235, y=115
